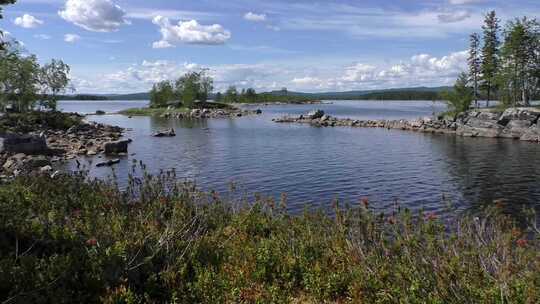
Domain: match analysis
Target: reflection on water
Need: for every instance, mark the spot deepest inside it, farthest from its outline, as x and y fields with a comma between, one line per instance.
x=318, y=165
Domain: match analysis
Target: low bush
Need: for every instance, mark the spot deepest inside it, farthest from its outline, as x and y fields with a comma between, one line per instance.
x=73, y=240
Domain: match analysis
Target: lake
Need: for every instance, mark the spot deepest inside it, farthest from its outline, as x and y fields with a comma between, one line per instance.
x=315, y=166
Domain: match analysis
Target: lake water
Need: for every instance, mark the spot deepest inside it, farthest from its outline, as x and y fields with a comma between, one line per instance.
x=315, y=166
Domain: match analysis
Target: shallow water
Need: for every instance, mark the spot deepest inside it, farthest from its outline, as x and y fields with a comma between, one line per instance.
x=315, y=166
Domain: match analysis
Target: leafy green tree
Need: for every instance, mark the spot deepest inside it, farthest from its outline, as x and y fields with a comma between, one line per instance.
x=250, y=95
x=206, y=85
x=187, y=87
x=460, y=99
x=20, y=81
x=3, y=2
x=231, y=95
x=54, y=80
x=474, y=61
x=161, y=94
x=490, y=54
x=219, y=97
x=519, y=76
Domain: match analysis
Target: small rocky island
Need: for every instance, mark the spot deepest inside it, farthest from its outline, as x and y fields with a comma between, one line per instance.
x=35, y=142
x=514, y=123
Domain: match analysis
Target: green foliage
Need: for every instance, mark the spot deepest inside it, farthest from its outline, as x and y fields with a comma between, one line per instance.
x=474, y=62
x=24, y=83
x=231, y=95
x=490, y=53
x=35, y=121
x=519, y=76
x=71, y=240
x=161, y=94
x=3, y=2
x=460, y=99
x=185, y=90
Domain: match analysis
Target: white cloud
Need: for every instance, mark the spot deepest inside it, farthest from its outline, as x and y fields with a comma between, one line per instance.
x=418, y=70
x=255, y=17
x=71, y=38
x=459, y=2
x=42, y=36
x=27, y=21
x=189, y=32
x=454, y=16
x=94, y=15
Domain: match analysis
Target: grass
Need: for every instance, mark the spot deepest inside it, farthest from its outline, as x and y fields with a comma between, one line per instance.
x=74, y=240
x=152, y=111
x=37, y=121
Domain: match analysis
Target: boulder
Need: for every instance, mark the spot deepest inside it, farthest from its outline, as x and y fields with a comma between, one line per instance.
x=27, y=144
x=100, y=112
x=115, y=147
x=532, y=134
x=325, y=118
x=476, y=127
x=315, y=114
x=166, y=133
x=488, y=116
x=108, y=163
x=258, y=111
x=510, y=114
x=516, y=129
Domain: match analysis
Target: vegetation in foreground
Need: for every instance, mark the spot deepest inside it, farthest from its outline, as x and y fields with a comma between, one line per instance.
x=70, y=240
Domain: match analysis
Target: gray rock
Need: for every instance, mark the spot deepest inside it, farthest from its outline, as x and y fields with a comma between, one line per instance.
x=45, y=169
x=488, y=116
x=166, y=133
x=108, y=163
x=510, y=114
x=325, y=118
x=480, y=128
x=532, y=134
x=115, y=147
x=27, y=144
x=38, y=162
x=315, y=114
x=516, y=129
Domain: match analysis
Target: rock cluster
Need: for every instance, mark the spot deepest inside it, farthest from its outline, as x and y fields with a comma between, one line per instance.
x=39, y=150
x=211, y=113
x=516, y=123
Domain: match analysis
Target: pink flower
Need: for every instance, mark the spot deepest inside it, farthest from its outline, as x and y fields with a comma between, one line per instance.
x=432, y=216
x=522, y=243
x=365, y=202
x=91, y=242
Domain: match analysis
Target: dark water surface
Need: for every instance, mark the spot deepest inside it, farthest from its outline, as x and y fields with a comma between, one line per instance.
x=317, y=165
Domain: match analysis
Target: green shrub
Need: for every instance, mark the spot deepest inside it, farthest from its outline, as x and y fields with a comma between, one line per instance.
x=75, y=240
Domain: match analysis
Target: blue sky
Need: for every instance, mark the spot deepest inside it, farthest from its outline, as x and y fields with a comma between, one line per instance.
x=120, y=46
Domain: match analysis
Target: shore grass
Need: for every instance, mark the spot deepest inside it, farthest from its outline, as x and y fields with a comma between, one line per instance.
x=72, y=240
x=152, y=111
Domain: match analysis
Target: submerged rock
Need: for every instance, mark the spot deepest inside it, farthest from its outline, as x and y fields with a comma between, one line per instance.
x=315, y=114
x=108, y=163
x=115, y=147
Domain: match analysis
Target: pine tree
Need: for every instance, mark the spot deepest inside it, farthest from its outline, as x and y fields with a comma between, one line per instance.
x=474, y=64
x=490, y=54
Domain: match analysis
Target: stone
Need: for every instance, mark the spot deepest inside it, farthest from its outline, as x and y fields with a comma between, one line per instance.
x=38, y=162
x=115, y=147
x=488, y=116
x=45, y=169
x=480, y=128
x=27, y=144
x=258, y=111
x=100, y=112
x=166, y=133
x=9, y=164
x=108, y=163
x=516, y=129
x=315, y=114
x=532, y=134
x=510, y=114
x=325, y=118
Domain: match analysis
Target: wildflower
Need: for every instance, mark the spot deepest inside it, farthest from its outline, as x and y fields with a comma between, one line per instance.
x=522, y=243
x=432, y=216
x=391, y=220
x=516, y=233
x=91, y=242
x=365, y=202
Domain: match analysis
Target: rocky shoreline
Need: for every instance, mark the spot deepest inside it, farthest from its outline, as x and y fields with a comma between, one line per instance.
x=210, y=113
x=514, y=123
x=44, y=147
